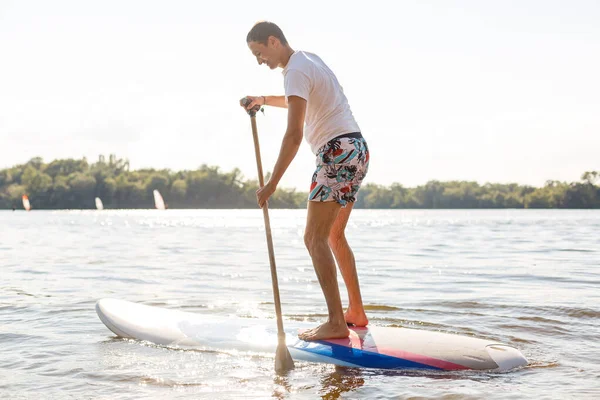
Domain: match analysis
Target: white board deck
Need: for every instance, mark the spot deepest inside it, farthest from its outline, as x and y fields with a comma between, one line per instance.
x=369, y=347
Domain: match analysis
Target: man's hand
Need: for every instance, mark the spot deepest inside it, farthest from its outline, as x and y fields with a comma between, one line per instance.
x=254, y=101
x=263, y=194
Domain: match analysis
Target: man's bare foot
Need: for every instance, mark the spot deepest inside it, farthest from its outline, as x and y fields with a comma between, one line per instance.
x=328, y=330
x=356, y=319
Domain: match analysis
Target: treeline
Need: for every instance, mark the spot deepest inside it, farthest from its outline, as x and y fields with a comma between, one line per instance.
x=74, y=184
x=461, y=194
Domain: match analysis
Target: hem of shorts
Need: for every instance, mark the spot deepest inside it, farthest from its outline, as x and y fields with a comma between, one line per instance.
x=343, y=203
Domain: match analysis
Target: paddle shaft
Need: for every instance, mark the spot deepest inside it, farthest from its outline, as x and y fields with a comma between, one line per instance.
x=261, y=181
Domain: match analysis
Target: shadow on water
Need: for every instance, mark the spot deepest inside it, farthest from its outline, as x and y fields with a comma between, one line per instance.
x=345, y=380
x=333, y=384
x=341, y=381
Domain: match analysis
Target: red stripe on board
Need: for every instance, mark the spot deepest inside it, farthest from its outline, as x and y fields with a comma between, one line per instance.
x=434, y=362
x=355, y=342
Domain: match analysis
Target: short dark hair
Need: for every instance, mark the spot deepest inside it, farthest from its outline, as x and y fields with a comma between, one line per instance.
x=261, y=31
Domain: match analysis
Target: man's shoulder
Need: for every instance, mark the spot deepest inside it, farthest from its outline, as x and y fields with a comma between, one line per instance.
x=303, y=61
x=308, y=57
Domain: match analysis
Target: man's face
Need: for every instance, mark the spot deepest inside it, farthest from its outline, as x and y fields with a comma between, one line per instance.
x=265, y=54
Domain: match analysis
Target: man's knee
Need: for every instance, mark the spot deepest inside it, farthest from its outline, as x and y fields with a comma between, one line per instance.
x=336, y=238
x=314, y=242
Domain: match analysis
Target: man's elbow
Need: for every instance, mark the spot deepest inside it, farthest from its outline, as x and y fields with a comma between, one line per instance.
x=295, y=136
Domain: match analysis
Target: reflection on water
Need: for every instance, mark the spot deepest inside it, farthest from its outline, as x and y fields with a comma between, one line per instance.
x=340, y=381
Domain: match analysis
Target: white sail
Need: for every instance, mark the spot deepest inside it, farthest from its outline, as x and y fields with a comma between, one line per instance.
x=99, y=204
x=26, y=204
x=159, y=203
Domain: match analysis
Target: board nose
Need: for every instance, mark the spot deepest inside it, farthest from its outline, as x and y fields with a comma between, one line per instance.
x=101, y=310
x=506, y=357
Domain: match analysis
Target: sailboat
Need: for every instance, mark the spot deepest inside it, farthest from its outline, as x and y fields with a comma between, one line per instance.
x=99, y=204
x=26, y=204
x=159, y=203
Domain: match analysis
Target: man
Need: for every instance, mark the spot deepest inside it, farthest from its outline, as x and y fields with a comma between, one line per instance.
x=314, y=96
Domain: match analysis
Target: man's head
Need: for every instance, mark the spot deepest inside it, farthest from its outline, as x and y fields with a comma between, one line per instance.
x=268, y=44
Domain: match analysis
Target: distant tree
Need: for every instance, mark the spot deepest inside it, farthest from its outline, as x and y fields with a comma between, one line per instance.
x=590, y=177
x=83, y=189
x=157, y=181
x=65, y=167
x=14, y=192
x=178, y=192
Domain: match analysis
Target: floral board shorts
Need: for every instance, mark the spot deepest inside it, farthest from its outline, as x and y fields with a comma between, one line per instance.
x=342, y=164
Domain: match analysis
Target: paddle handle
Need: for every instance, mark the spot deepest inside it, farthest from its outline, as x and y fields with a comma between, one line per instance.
x=261, y=181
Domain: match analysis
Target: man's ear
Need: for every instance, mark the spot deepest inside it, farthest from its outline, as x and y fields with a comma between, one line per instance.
x=273, y=41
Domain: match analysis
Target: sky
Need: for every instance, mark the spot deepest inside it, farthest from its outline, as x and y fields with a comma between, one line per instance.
x=503, y=91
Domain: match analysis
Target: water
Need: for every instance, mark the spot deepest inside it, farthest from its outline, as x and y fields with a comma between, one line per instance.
x=528, y=278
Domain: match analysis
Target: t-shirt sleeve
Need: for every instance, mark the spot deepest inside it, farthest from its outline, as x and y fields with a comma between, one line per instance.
x=296, y=83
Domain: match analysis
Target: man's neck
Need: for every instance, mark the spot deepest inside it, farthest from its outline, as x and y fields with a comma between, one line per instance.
x=288, y=54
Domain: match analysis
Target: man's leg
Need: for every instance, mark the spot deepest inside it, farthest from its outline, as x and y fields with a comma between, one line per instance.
x=355, y=314
x=321, y=216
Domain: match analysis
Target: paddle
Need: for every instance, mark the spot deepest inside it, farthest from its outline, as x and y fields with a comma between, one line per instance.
x=283, y=359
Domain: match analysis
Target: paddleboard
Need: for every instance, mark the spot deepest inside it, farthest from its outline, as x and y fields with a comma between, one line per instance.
x=368, y=347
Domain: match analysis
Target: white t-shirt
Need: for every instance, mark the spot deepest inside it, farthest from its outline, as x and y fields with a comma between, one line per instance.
x=327, y=111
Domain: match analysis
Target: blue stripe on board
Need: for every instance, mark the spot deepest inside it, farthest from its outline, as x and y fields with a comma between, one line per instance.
x=366, y=359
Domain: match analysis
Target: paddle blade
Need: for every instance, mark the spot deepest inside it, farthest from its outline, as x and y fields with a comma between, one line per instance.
x=283, y=359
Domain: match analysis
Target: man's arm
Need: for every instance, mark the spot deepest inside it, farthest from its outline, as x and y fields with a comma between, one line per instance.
x=292, y=138
x=278, y=101
x=275, y=101
x=289, y=147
